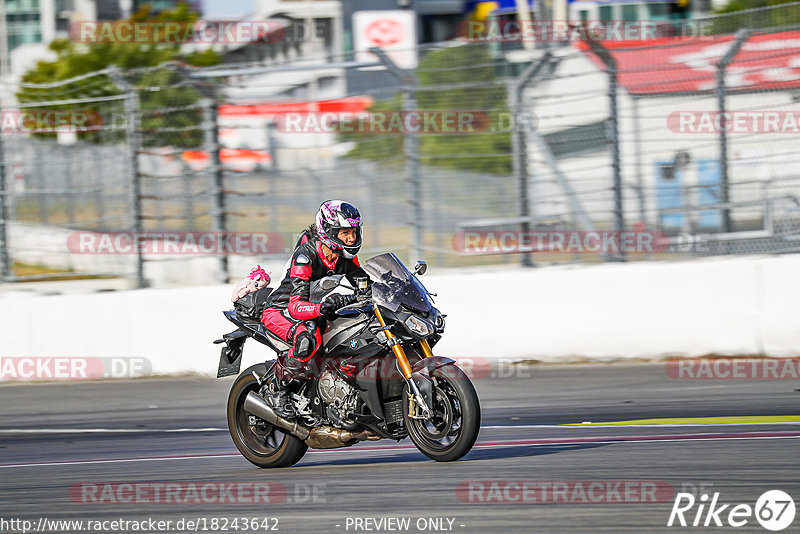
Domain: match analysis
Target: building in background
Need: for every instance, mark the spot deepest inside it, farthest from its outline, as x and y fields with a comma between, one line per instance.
x=121, y=9
x=666, y=11
x=41, y=21
x=625, y=10
x=323, y=29
x=312, y=34
x=111, y=9
x=437, y=20
x=28, y=26
x=23, y=22
x=320, y=35
x=157, y=6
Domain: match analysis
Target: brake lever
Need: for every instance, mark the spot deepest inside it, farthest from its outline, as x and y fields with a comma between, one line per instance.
x=355, y=307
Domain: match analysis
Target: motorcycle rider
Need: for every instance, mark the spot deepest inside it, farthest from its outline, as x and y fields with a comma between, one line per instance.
x=327, y=247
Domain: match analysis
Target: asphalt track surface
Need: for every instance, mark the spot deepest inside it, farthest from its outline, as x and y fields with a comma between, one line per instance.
x=57, y=436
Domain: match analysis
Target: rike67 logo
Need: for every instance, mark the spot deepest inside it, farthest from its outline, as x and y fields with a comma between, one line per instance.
x=774, y=510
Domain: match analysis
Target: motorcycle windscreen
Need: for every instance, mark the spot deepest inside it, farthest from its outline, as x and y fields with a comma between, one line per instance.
x=393, y=285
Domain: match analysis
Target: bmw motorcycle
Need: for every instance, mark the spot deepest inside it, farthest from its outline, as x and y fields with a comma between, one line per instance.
x=377, y=378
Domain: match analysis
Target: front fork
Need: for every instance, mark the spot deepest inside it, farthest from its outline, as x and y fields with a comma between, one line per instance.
x=405, y=368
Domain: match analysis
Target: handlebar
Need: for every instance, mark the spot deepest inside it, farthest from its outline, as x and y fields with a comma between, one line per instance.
x=364, y=306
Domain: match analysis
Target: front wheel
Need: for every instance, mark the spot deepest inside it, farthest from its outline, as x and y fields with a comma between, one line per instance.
x=262, y=443
x=453, y=428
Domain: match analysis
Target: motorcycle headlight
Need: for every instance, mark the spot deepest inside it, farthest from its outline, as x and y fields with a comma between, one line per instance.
x=419, y=327
x=438, y=320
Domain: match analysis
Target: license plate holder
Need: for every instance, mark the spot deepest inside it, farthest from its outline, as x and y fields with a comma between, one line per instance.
x=230, y=357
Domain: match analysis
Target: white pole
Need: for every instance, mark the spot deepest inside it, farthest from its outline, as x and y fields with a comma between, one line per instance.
x=524, y=18
x=4, y=65
x=560, y=10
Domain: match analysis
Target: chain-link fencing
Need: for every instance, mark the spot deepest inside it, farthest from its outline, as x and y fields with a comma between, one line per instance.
x=487, y=152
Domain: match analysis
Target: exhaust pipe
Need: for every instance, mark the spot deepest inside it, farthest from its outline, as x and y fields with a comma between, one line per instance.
x=328, y=437
x=321, y=437
x=258, y=406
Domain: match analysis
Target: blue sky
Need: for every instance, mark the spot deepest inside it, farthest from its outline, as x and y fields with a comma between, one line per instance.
x=227, y=8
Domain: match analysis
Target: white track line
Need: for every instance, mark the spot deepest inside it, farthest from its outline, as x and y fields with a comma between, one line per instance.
x=106, y=430
x=406, y=448
x=486, y=427
x=596, y=425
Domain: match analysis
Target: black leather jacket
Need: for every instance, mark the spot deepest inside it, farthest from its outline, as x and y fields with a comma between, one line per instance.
x=307, y=265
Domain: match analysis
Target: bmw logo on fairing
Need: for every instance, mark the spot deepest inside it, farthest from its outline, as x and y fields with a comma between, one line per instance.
x=353, y=343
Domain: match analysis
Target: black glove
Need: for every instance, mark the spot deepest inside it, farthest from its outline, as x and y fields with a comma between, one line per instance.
x=334, y=302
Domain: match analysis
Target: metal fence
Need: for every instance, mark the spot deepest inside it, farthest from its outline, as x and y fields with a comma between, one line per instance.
x=571, y=139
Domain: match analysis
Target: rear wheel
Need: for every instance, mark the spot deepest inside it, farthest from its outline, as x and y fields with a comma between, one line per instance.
x=453, y=429
x=262, y=443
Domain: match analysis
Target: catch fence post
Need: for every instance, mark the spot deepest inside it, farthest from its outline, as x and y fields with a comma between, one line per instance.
x=519, y=147
x=739, y=39
x=5, y=257
x=212, y=148
x=613, y=133
x=133, y=133
x=408, y=81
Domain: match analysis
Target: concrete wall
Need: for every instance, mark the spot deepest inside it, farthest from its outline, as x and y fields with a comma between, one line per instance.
x=40, y=244
x=739, y=306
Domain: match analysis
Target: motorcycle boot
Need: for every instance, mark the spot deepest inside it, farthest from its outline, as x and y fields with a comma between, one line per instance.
x=280, y=399
x=278, y=390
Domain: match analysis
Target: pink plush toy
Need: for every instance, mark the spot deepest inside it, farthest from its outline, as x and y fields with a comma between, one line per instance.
x=257, y=279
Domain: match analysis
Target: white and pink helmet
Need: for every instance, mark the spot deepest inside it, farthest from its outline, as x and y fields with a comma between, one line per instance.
x=333, y=215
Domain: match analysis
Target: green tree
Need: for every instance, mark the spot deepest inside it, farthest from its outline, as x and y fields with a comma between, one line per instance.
x=159, y=88
x=765, y=18
x=461, y=78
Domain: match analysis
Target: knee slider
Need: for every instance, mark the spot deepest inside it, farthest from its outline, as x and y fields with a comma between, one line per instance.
x=304, y=345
